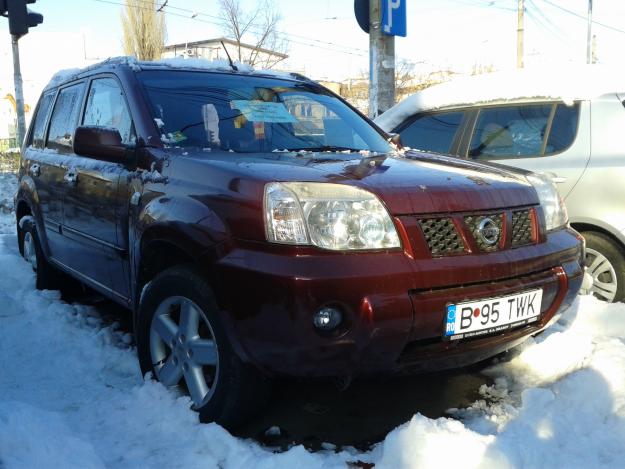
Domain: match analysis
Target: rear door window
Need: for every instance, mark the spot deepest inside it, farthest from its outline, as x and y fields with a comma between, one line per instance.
x=432, y=132
x=39, y=127
x=64, y=118
x=510, y=131
x=106, y=107
x=563, y=128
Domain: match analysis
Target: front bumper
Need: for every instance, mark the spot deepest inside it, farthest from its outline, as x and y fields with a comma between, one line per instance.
x=394, y=304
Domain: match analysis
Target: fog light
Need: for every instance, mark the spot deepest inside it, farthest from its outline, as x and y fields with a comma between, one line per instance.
x=327, y=318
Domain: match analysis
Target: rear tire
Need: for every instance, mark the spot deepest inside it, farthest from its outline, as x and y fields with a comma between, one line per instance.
x=47, y=277
x=181, y=340
x=605, y=262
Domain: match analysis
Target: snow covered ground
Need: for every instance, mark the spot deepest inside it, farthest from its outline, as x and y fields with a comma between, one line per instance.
x=71, y=395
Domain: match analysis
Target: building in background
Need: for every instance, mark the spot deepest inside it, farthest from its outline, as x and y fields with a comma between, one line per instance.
x=213, y=49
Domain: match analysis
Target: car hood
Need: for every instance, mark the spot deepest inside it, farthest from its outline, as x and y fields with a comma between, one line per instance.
x=415, y=183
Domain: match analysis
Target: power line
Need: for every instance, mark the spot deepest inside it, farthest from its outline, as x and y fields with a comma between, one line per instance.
x=194, y=15
x=536, y=14
x=571, y=12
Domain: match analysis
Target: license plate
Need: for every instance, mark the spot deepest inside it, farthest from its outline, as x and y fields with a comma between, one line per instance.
x=493, y=315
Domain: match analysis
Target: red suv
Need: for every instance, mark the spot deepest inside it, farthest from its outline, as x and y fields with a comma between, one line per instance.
x=257, y=225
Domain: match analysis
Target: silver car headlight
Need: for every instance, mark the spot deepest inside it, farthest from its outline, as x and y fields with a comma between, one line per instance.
x=553, y=206
x=330, y=216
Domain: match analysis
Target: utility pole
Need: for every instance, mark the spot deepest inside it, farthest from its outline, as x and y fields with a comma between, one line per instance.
x=519, y=34
x=19, y=94
x=20, y=19
x=589, y=35
x=381, y=63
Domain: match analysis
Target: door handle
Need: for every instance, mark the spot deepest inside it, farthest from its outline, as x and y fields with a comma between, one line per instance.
x=34, y=170
x=71, y=176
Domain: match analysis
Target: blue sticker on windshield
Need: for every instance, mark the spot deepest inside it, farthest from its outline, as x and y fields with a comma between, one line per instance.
x=262, y=111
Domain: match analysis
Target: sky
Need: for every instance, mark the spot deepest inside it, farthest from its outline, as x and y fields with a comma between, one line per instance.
x=325, y=40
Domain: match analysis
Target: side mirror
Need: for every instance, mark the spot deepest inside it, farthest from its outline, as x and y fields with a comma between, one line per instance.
x=100, y=143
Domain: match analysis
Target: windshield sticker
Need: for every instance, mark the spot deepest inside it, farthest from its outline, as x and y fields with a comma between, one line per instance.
x=211, y=123
x=261, y=111
x=173, y=137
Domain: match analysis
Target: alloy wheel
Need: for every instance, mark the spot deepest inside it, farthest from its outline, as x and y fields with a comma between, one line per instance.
x=183, y=348
x=30, y=250
x=603, y=275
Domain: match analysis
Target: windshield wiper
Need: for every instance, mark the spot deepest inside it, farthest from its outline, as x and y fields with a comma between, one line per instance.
x=326, y=148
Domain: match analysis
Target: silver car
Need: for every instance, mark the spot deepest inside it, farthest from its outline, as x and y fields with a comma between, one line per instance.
x=576, y=139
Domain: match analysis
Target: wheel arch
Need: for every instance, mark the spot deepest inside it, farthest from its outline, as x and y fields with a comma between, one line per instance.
x=582, y=227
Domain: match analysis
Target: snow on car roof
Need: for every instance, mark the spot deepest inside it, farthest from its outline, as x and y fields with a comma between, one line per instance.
x=164, y=64
x=568, y=83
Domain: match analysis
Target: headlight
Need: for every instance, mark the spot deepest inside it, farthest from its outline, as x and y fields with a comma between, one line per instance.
x=551, y=202
x=330, y=216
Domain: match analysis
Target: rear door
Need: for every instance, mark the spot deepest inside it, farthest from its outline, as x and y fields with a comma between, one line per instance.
x=36, y=170
x=549, y=138
x=93, y=202
x=46, y=157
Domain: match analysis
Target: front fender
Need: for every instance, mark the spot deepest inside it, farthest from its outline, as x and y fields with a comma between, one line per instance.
x=183, y=221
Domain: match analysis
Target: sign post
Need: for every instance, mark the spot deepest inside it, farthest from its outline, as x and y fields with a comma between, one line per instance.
x=383, y=20
x=20, y=20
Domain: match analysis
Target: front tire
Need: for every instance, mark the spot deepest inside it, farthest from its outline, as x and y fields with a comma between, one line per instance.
x=605, y=262
x=181, y=340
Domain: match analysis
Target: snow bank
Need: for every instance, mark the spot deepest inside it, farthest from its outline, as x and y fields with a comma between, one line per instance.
x=565, y=83
x=71, y=395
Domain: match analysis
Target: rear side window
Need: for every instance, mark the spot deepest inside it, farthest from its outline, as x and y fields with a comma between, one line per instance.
x=432, y=132
x=510, y=131
x=106, y=107
x=563, y=128
x=39, y=128
x=64, y=117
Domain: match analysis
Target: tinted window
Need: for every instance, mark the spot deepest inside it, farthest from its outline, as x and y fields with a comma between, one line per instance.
x=510, y=131
x=39, y=128
x=106, y=107
x=563, y=128
x=247, y=113
x=64, y=117
x=434, y=132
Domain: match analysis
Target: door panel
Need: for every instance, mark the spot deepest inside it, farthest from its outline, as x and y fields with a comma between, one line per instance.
x=89, y=219
x=93, y=204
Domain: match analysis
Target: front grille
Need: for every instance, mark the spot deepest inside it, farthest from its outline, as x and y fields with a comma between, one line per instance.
x=441, y=236
x=466, y=233
x=473, y=223
x=521, y=228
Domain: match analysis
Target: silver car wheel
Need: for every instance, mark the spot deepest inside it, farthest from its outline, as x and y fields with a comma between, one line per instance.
x=603, y=275
x=30, y=251
x=183, y=346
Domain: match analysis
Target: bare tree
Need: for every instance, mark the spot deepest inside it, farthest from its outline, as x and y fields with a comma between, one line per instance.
x=258, y=28
x=144, y=29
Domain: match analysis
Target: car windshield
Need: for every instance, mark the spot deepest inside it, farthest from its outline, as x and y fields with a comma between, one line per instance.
x=248, y=113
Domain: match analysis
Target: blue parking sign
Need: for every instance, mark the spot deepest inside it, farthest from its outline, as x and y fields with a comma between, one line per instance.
x=394, y=17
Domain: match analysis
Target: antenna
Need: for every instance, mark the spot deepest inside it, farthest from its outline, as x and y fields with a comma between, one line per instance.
x=229, y=58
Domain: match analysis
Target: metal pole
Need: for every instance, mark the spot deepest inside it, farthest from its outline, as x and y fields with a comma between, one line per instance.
x=589, y=36
x=19, y=95
x=519, y=35
x=381, y=64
